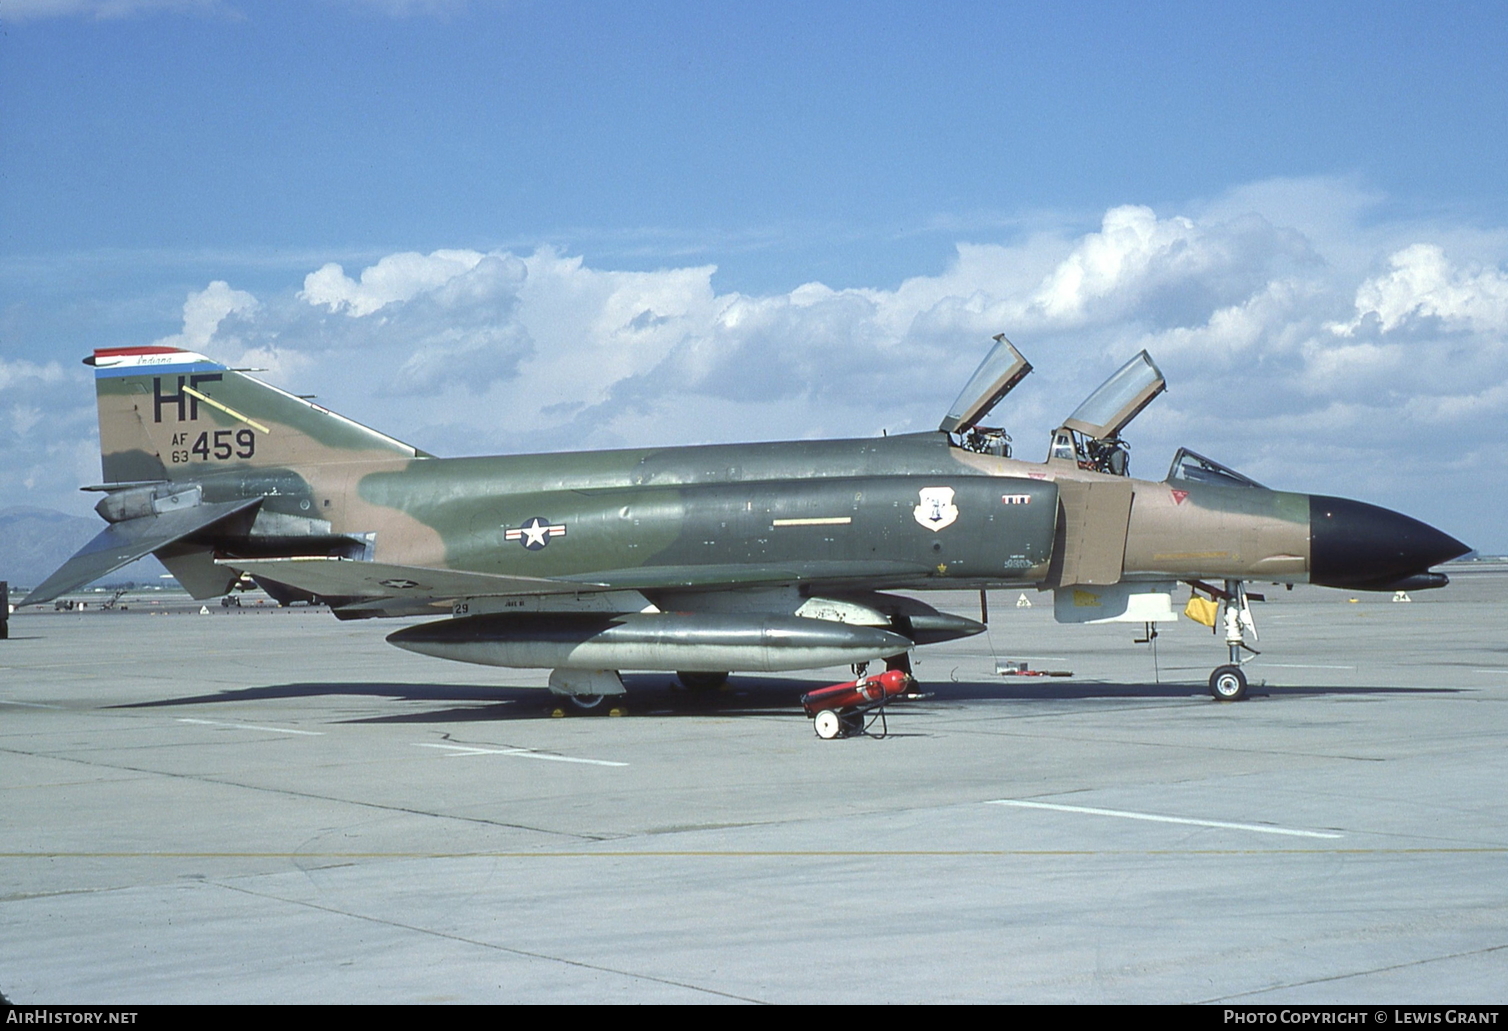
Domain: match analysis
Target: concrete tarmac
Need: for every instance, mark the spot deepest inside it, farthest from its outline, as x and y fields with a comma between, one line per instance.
x=274, y=806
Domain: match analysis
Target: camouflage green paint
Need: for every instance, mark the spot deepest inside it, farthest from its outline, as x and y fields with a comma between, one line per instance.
x=845, y=513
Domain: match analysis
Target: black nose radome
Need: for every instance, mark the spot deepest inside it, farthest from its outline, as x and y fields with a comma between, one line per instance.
x=1367, y=548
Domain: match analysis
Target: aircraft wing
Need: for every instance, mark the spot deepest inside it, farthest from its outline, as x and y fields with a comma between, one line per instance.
x=129, y=540
x=371, y=581
x=351, y=578
x=738, y=575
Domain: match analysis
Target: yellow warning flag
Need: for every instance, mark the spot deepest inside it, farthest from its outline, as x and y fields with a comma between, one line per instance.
x=1201, y=611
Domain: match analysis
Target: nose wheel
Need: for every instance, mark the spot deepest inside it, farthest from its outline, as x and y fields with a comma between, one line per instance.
x=1228, y=684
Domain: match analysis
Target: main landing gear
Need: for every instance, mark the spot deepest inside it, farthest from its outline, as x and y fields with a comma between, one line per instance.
x=587, y=692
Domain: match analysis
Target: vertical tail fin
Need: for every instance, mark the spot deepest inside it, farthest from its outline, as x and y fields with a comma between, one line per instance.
x=169, y=414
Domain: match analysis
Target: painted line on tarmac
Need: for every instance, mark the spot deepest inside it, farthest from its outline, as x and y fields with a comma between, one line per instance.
x=1299, y=665
x=251, y=726
x=522, y=753
x=29, y=705
x=1155, y=818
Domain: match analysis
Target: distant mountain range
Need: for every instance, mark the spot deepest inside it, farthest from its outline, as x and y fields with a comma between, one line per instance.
x=36, y=541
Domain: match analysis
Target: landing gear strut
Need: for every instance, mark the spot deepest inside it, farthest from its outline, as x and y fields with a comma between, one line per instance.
x=1228, y=682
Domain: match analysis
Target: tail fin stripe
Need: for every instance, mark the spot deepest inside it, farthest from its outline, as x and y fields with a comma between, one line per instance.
x=109, y=361
x=226, y=409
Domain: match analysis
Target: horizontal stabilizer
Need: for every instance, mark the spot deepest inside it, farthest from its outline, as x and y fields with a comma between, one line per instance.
x=351, y=578
x=125, y=542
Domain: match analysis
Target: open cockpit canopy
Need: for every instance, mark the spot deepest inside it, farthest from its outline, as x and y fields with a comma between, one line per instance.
x=1119, y=399
x=996, y=376
x=1091, y=435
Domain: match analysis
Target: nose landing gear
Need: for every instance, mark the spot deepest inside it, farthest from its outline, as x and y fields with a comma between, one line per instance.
x=1228, y=682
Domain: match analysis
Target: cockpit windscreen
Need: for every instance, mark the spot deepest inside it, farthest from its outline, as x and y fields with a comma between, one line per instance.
x=1192, y=467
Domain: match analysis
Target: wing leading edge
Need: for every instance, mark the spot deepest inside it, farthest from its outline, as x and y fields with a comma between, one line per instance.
x=357, y=581
x=354, y=579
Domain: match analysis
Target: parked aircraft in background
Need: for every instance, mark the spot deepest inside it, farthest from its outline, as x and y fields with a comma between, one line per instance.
x=707, y=559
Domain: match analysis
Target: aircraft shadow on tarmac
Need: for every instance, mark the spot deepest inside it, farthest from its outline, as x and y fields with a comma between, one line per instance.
x=658, y=695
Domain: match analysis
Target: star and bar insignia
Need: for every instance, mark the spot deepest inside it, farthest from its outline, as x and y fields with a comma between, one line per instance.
x=535, y=533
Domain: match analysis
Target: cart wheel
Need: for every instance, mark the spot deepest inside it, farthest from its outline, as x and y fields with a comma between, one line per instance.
x=827, y=724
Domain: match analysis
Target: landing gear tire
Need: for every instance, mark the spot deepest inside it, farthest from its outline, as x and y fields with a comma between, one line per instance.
x=586, y=702
x=702, y=681
x=827, y=724
x=1228, y=684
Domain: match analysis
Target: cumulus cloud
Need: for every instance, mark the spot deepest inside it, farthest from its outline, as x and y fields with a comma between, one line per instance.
x=397, y=277
x=1167, y=269
x=204, y=311
x=410, y=325
x=473, y=351
x=1424, y=283
x=1108, y=264
x=1288, y=352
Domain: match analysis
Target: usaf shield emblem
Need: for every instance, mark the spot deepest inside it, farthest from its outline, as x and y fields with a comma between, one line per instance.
x=936, y=509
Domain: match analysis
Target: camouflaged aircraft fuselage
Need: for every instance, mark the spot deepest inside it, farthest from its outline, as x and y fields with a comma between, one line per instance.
x=218, y=473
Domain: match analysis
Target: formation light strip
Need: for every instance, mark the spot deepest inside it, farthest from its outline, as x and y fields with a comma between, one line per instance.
x=227, y=410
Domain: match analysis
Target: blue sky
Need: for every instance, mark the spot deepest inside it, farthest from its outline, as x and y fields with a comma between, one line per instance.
x=665, y=223
x=709, y=126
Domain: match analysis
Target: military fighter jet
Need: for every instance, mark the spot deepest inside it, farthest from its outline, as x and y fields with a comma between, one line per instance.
x=708, y=559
